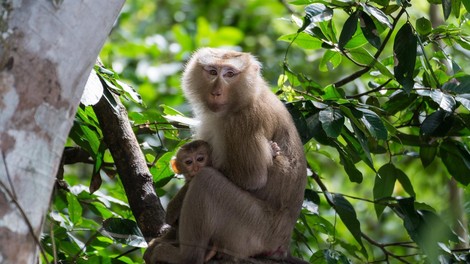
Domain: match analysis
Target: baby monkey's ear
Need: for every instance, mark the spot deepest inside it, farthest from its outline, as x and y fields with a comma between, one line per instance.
x=174, y=166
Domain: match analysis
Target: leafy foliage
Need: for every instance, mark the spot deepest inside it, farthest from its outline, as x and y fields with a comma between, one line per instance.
x=379, y=95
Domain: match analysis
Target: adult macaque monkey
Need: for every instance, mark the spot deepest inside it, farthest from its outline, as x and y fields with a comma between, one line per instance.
x=247, y=203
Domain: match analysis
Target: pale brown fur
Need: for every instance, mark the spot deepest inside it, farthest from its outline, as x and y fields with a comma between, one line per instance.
x=247, y=203
x=189, y=159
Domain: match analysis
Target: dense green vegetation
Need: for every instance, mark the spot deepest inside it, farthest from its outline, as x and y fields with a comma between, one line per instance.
x=380, y=95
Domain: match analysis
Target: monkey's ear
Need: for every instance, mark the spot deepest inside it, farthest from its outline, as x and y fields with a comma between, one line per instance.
x=174, y=166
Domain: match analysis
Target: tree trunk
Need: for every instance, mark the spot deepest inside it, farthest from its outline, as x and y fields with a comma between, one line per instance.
x=47, y=49
x=131, y=167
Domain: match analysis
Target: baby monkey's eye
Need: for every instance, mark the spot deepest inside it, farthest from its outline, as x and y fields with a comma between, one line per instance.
x=200, y=159
x=188, y=162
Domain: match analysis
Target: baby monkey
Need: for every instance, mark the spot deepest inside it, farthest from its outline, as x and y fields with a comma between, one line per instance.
x=189, y=159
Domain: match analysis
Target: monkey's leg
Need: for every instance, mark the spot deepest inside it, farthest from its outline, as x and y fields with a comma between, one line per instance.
x=161, y=252
x=174, y=206
x=217, y=210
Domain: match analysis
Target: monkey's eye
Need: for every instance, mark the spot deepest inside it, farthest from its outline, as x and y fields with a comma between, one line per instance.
x=200, y=159
x=213, y=72
x=188, y=162
x=230, y=74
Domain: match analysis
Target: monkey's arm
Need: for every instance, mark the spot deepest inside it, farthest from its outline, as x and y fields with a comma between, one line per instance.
x=174, y=206
x=252, y=160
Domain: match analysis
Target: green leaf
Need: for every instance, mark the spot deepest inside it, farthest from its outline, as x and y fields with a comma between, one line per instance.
x=353, y=173
x=445, y=101
x=405, y=182
x=315, y=130
x=329, y=30
x=399, y=101
x=377, y=14
x=353, y=114
x=332, y=121
x=93, y=90
x=467, y=5
x=330, y=60
x=129, y=92
x=348, y=30
x=427, y=154
x=318, y=12
x=418, y=224
x=300, y=123
x=362, y=56
x=464, y=99
x=437, y=124
x=348, y=215
x=456, y=158
x=329, y=256
x=464, y=85
x=333, y=93
x=124, y=231
x=383, y=3
x=300, y=2
x=423, y=26
x=384, y=70
x=374, y=124
x=168, y=110
x=315, y=13
x=161, y=172
x=303, y=40
x=446, y=8
x=110, y=99
x=369, y=29
x=85, y=131
x=74, y=208
x=384, y=185
x=355, y=149
x=404, y=49
x=312, y=196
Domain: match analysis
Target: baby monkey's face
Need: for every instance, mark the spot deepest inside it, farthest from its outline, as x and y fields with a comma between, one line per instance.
x=194, y=162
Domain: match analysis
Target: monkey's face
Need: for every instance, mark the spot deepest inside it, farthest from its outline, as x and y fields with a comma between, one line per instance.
x=193, y=163
x=221, y=79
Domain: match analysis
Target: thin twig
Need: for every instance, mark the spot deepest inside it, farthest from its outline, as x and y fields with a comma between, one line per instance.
x=370, y=91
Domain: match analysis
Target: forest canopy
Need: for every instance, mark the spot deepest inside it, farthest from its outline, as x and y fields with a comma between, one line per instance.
x=379, y=92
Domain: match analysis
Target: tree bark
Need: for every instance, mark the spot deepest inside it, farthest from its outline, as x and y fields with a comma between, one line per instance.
x=131, y=167
x=47, y=49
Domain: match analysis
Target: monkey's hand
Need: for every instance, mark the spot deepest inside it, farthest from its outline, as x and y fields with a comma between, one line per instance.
x=275, y=149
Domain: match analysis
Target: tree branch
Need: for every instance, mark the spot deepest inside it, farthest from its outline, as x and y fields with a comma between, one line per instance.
x=131, y=166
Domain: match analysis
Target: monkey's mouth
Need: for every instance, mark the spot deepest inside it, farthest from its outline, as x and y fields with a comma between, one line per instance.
x=216, y=107
x=216, y=104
